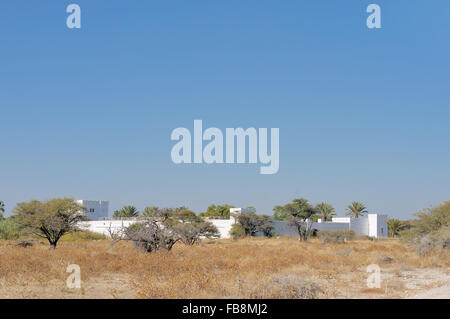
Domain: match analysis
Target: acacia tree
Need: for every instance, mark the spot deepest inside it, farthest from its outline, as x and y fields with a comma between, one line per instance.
x=167, y=226
x=249, y=224
x=325, y=211
x=51, y=219
x=191, y=233
x=356, y=209
x=279, y=213
x=151, y=235
x=299, y=213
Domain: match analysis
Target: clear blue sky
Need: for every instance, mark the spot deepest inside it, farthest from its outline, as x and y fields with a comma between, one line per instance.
x=363, y=114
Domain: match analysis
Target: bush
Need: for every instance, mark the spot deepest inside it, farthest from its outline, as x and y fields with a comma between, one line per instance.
x=191, y=233
x=83, y=235
x=151, y=235
x=431, y=230
x=237, y=231
x=336, y=236
x=10, y=230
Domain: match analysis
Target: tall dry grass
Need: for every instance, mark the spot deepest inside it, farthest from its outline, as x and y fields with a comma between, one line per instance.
x=248, y=268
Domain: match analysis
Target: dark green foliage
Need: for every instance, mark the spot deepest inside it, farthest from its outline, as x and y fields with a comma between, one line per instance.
x=219, y=211
x=250, y=224
x=126, y=212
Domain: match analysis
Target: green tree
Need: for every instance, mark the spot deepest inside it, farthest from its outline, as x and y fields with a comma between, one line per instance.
x=51, y=219
x=430, y=221
x=187, y=215
x=299, y=214
x=218, y=211
x=249, y=224
x=126, y=212
x=430, y=229
x=356, y=209
x=325, y=211
x=279, y=213
x=264, y=225
x=395, y=226
x=150, y=211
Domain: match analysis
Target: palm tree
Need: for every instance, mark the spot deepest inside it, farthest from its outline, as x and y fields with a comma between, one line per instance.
x=325, y=211
x=126, y=212
x=395, y=226
x=356, y=209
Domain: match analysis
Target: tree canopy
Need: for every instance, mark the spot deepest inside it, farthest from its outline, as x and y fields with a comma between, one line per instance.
x=356, y=209
x=50, y=219
x=167, y=226
x=325, y=211
x=218, y=211
x=126, y=212
x=249, y=224
x=299, y=214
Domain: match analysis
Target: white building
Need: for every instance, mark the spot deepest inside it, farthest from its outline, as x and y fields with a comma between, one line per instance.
x=95, y=209
x=372, y=225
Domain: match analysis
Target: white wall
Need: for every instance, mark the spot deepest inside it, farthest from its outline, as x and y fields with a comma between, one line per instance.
x=223, y=225
x=102, y=226
x=377, y=225
x=371, y=225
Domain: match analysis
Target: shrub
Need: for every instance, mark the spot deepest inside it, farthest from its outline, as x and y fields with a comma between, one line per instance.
x=152, y=235
x=430, y=230
x=336, y=236
x=237, y=231
x=190, y=233
x=10, y=230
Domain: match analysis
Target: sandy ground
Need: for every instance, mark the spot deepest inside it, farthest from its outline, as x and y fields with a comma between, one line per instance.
x=440, y=280
x=404, y=283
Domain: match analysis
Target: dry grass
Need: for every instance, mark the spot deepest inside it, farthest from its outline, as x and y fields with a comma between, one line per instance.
x=248, y=268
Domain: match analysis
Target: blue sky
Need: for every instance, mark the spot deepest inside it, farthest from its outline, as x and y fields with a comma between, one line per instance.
x=363, y=114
